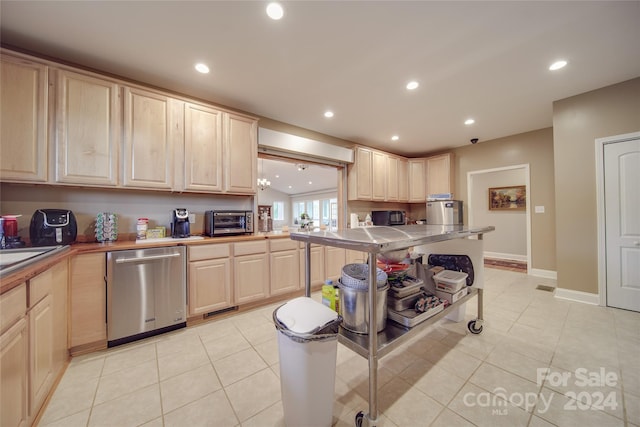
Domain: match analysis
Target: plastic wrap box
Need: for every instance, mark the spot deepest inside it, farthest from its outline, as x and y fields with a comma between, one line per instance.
x=452, y=297
x=450, y=281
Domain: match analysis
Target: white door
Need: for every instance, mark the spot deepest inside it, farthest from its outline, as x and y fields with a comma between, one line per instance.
x=622, y=226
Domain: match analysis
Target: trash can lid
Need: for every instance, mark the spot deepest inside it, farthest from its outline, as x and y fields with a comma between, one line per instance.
x=304, y=315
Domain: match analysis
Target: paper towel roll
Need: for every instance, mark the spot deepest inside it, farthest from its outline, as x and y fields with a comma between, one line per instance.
x=354, y=220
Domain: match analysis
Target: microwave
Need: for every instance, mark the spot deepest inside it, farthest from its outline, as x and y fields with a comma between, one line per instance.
x=388, y=217
x=227, y=223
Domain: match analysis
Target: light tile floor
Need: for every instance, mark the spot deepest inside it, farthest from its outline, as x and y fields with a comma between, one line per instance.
x=540, y=361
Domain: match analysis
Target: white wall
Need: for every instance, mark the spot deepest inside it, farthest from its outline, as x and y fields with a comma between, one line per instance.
x=509, y=240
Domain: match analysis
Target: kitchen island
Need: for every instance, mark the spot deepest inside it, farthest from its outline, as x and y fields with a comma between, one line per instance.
x=425, y=239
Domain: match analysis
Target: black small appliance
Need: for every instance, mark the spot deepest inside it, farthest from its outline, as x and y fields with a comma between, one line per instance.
x=388, y=217
x=226, y=223
x=50, y=227
x=180, y=223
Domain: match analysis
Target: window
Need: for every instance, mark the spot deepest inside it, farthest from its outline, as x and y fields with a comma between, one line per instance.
x=278, y=211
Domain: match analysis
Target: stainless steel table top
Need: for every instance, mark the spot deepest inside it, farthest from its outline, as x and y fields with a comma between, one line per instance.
x=382, y=238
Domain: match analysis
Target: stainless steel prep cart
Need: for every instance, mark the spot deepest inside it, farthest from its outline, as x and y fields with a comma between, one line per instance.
x=374, y=240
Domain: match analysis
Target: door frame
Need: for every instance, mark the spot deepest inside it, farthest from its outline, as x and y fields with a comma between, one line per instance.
x=527, y=179
x=600, y=212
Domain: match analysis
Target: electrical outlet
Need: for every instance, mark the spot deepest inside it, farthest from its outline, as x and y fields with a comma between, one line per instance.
x=192, y=218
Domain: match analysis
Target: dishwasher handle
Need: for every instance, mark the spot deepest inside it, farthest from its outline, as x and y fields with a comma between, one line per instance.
x=147, y=258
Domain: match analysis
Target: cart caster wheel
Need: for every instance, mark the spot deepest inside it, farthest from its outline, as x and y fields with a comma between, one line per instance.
x=472, y=327
x=359, y=418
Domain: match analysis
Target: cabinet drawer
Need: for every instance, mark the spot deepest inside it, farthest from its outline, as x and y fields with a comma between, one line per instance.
x=248, y=248
x=283, y=245
x=40, y=287
x=13, y=306
x=198, y=253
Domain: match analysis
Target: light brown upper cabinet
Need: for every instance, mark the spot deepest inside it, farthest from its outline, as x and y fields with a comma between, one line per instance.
x=88, y=130
x=240, y=153
x=23, y=114
x=430, y=175
x=150, y=127
x=417, y=186
x=359, y=183
x=440, y=177
x=379, y=176
x=202, y=148
x=403, y=180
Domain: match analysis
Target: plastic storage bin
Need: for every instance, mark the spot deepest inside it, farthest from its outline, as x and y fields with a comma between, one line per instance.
x=450, y=281
x=307, y=344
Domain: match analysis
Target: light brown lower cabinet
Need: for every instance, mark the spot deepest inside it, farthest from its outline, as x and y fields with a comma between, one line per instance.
x=33, y=350
x=250, y=271
x=209, y=279
x=13, y=375
x=334, y=261
x=88, y=300
x=317, y=267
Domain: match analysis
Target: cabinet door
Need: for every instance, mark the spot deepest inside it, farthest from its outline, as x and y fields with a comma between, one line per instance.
x=355, y=257
x=285, y=272
x=317, y=267
x=88, y=301
x=209, y=286
x=334, y=261
x=417, y=176
x=439, y=172
x=379, y=176
x=241, y=154
x=403, y=180
x=149, y=131
x=13, y=371
x=88, y=133
x=202, y=148
x=60, y=282
x=40, y=352
x=392, y=178
x=23, y=114
x=250, y=278
x=360, y=186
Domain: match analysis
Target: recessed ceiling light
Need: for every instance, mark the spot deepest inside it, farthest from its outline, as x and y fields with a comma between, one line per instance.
x=395, y=138
x=412, y=85
x=277, y=176
x=557, y=65
x=469, y=122
x=328, y=114
x=201, y=68
x=310, y=182
x=275, y=11
x=290, y=187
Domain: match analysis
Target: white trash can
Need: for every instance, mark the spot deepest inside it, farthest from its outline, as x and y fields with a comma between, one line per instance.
x=307, y=344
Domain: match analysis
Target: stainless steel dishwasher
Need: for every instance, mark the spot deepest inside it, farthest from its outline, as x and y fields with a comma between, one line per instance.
x=146, y=293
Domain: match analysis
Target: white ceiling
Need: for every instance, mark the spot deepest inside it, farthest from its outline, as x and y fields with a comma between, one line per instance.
x=486, y=60
x=286, y=178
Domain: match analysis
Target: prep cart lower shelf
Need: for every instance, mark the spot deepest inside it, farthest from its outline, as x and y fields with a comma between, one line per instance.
x=394, y=335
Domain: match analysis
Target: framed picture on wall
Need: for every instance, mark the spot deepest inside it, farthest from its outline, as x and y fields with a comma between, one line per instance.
x=512, y=198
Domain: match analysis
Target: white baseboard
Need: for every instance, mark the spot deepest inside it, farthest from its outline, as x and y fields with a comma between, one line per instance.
x=498, y=255
x=547, y=274
x=578, y=296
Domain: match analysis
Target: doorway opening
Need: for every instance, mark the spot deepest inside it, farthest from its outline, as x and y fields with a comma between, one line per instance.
x=511, y=241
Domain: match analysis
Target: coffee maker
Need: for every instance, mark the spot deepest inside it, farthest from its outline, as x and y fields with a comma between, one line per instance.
x=180, y=223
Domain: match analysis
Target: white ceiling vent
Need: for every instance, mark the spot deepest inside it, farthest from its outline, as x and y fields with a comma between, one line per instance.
x=297, y=147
